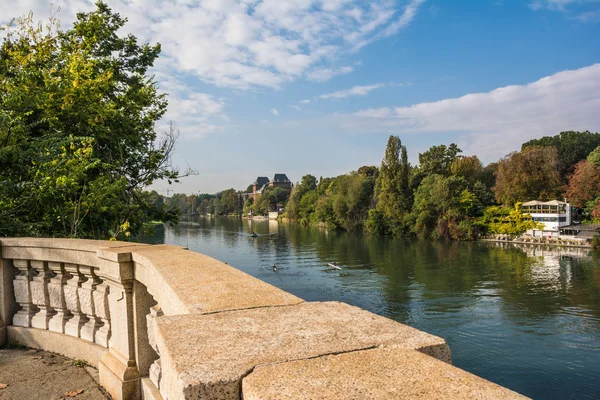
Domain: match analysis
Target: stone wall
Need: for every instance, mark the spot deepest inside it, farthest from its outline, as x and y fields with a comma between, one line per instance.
x=162, y=322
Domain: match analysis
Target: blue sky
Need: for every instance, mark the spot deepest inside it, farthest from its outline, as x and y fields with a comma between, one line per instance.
x=258, y=87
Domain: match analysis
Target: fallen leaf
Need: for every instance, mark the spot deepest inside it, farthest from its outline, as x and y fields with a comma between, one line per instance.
x=3, y=385
x=73, y=393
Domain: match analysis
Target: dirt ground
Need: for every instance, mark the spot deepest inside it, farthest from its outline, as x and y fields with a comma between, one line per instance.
x=35, y=374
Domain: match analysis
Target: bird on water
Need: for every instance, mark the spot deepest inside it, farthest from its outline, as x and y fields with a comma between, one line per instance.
x=274, y=268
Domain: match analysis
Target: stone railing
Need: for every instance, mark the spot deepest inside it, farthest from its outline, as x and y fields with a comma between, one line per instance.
x=162, y=322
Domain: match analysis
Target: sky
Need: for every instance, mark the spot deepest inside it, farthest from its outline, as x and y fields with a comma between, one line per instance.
x=258, y=87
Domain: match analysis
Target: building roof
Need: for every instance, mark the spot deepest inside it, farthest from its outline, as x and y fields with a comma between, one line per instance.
x=261, y=181
x=542, y=203
x=280, y=178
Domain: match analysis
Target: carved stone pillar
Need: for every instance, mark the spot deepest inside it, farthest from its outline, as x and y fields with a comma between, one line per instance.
x=56, y=289
x=117, y=369
x=100, y=297
x=40, y=295
x=23, y=294
x=74, y=281
x=86, y=302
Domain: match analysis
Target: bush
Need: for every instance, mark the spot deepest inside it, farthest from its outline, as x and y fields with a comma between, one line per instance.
x=596, y=242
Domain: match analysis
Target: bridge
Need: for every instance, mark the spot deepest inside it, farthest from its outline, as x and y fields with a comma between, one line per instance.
x=162, y=322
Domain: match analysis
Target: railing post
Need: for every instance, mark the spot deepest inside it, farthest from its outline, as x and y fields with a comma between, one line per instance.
x=71, y=289
x=8, y=305
x=56, y=289
x=118, y=368
x=40, y=295
x=23, y=294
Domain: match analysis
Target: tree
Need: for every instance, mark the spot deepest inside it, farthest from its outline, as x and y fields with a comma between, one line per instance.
x=293, y=208
x=508, y=220
x=584, y=184
x=77, y=138
x=469, y=168
x=572, y=147
x=392, y=193
x=438, y=159
x=531, y=174
x=445, y=208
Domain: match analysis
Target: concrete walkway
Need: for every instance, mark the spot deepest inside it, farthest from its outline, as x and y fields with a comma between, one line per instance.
x=35, y=374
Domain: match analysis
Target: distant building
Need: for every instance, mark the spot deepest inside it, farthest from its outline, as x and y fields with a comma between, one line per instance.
x=281, y=180
x=262, y=182
x=553, y=214
x=258, y=186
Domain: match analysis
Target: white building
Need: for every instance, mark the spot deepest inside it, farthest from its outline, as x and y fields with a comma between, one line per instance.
x=552, y=214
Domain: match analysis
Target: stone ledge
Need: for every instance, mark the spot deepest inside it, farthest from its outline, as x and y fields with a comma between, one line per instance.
x=377, y=374
x=59, y=343
x=206, y=356
x=184, y=282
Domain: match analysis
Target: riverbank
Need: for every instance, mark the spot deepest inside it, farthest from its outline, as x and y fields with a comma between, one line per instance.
x=556, y=242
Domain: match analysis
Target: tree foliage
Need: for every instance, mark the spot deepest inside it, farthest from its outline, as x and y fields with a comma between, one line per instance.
x=584, y=184
x=508, y=220
x=572, y=147
x=532, y=174
x=393, y=197
x=77, y=138
x=438, y=159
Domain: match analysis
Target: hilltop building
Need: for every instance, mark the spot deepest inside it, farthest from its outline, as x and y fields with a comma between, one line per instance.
x=262, y=182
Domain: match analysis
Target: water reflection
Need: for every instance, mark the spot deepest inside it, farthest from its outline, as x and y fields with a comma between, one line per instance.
x=525, y=317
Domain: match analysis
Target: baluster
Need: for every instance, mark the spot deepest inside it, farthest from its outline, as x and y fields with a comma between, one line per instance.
x=74, y=281
x=100, y=296
x=56, y=289
x=23, y=294
x=40, y=295
x=155, y=368
x=86, y=302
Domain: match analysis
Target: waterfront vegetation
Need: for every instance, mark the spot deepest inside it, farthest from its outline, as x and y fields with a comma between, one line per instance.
x=448, y=195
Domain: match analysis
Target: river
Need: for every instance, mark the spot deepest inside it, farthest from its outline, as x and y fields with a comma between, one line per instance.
x=527, y=318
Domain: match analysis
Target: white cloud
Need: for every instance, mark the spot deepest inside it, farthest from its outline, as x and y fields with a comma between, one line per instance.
x=325, y=74
x=585, y=11
x=557, y=5
x=247, y=43
x=274, y=111
x=305, y=101
x=492, y=124
x=297, y=108
x=354, y=91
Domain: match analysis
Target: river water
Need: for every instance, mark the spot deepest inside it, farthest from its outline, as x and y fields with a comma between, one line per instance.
x=527, y=318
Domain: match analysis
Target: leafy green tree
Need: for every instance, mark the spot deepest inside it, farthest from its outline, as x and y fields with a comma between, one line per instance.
x=469, y=168
x=438, y=159
x=392, y=191
x=508, y=220
x=531, y=174
x=294, y=211
x=77, y=138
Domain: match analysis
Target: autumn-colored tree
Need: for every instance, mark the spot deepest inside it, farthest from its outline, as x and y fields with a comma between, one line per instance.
x=584, y=184
x=531, y=174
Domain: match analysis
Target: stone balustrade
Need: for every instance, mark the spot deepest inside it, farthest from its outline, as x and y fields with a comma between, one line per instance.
x=162, y=322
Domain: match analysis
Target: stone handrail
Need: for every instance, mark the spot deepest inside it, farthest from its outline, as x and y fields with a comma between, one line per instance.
x=162, y=322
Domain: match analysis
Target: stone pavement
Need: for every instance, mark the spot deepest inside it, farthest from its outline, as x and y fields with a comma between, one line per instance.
x=35, y=374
